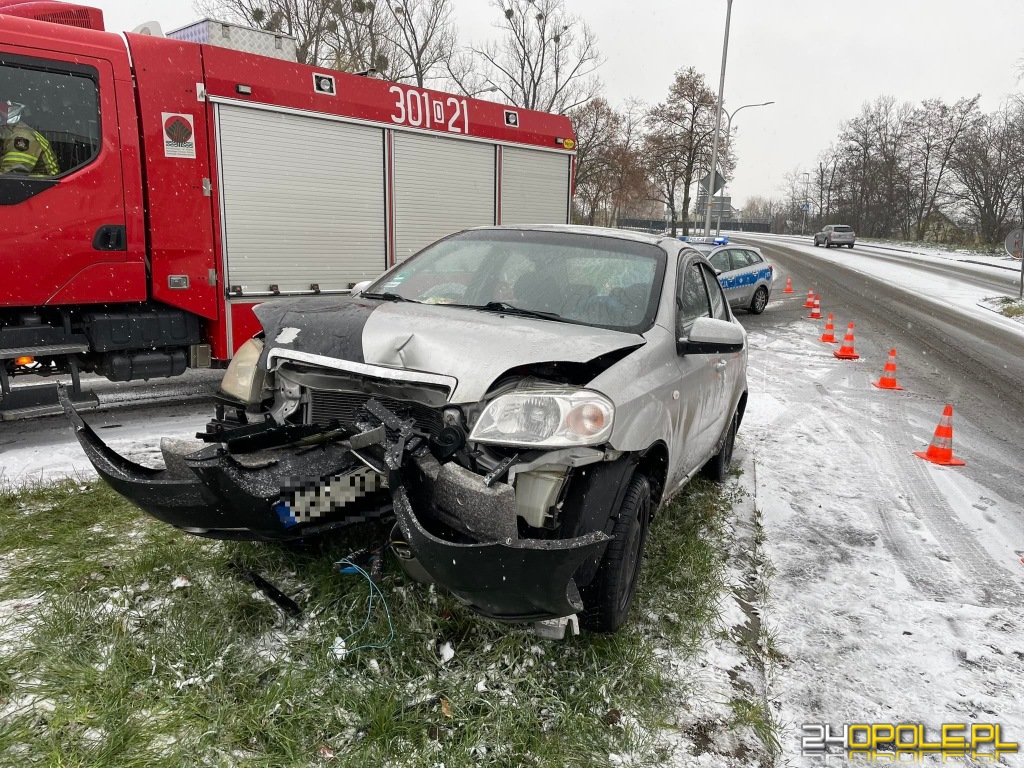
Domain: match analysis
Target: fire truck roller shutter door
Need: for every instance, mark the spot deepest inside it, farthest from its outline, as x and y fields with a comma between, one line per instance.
x=303, y=200
x=441, y=186
x=534, y=186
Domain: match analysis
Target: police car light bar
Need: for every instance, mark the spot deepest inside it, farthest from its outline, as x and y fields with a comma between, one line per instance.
x=722, y=240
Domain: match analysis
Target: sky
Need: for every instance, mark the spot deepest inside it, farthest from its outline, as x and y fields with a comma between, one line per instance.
x=818, y=60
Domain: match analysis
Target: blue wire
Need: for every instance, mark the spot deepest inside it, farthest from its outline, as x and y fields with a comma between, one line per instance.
x=369, y=610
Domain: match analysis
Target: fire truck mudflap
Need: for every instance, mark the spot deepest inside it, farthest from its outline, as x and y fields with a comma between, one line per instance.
x=307, y=483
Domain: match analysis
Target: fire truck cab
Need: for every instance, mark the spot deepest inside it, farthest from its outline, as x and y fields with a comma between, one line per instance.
x=156, y=189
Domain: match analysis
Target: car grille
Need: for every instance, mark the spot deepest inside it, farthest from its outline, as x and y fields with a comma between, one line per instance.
x=326, y=406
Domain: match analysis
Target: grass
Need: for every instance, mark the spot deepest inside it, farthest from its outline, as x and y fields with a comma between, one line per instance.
x=126, y=643
x=1011, y=307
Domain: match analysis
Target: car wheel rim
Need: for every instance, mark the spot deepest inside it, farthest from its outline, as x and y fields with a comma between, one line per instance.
x=760, y=301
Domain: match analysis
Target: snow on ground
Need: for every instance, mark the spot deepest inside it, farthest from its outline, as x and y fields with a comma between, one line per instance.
x=898, y=587
x=916, y=273
x=46, y=449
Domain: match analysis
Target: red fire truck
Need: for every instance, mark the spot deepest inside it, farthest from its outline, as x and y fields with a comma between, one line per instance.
x=195, y=181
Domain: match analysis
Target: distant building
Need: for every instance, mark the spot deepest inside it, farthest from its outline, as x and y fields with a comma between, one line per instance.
x=720, y=205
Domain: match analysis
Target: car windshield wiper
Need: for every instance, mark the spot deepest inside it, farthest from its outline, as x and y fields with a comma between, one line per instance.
x=504, y=306
x=388, y=296
x=512, y=309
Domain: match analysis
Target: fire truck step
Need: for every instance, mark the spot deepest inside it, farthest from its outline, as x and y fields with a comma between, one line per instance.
x=43, y=351
x=41, y=400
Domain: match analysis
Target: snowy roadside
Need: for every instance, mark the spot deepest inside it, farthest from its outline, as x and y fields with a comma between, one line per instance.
x=997, y=258
x=898, y=584
x=914, y=276
x=45, y=450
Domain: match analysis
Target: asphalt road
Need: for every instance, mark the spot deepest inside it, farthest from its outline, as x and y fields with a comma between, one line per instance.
x=944, y=355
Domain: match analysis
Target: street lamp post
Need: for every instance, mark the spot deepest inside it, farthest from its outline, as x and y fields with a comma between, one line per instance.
x=806, y=205
x=718, y=122
x=728, y=134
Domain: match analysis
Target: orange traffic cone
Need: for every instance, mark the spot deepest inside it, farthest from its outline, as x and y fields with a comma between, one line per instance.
x=888, y=380
x=789, y=285
x=846, y=352
x=810, y=300
x=940, y=451
x=829, y=335
x=816, y=312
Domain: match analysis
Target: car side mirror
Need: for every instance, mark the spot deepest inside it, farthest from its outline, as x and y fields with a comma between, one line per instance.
x=709, y=336
x=358, y=288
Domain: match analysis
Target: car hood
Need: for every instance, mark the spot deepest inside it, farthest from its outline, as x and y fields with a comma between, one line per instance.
x=471, y=346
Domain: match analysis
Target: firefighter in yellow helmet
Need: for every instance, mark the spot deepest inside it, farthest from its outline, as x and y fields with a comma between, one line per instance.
x=22, y=149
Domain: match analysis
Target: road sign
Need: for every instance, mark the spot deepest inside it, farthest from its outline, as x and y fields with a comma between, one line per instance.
x=719, y=182
x=805, y=207
x=1015, y=243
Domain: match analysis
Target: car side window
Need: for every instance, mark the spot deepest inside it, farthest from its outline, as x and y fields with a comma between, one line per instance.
x=740, y=259
x=691, y=299
x=719, y=307
x=720, y=261
x=753, y=258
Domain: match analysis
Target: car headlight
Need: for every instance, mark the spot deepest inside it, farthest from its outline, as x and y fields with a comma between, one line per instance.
x=548, y=418
x=243, y=380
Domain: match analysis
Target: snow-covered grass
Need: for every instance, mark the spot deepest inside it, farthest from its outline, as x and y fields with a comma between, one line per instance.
x=124, y=642
x=1007, y=306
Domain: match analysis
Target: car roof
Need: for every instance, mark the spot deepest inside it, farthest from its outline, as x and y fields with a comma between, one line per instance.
x=582, y=229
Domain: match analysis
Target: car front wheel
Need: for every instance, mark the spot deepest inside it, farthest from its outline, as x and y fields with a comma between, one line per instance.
x=759, y=301
x=608, y=597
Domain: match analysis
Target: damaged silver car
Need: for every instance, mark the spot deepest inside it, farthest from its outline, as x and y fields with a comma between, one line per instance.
x=521, y=400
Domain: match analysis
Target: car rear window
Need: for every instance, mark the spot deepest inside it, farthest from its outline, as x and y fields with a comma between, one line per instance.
x=842, y=228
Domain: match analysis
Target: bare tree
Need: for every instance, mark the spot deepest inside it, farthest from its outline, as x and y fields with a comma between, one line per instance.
x=686, y=120
x=939, y=130
x=305, y=20
x=610, y=175
x=544, y=58
x=596, y=126
x=758, y=208
x=989, y=168
x=424, y=32
x=360, y=35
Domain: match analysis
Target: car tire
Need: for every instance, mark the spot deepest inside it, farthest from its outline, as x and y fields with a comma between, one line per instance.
x=759, y=301
x=850, y=245
x=609, y=596
x=717, y=468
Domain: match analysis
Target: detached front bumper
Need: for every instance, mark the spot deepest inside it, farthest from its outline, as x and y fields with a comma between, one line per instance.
x=462, y=532
x=284, y=494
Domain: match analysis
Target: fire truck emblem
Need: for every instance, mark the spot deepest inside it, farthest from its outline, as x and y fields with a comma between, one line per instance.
x=179, y=135
x=177, y=130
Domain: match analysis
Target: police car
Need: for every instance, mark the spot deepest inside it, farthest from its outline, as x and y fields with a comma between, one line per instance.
x=746, y=276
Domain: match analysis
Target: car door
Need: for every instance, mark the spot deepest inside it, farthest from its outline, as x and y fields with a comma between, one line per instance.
x=742, y=277
x=698, y=390
x=725, y=368
x=722, y=263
